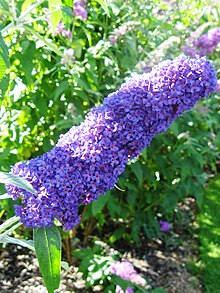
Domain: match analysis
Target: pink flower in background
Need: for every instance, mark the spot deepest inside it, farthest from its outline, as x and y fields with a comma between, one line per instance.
x=126, y=271
x=164, y=226
x=190, y=51
x=218, y=86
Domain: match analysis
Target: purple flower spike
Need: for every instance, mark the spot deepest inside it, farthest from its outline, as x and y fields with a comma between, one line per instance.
x=88, y=159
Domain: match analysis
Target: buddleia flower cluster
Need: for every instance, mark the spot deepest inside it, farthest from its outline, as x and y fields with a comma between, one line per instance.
x=88, y=159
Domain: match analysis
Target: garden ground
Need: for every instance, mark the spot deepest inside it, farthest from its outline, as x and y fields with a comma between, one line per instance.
x=163, y=266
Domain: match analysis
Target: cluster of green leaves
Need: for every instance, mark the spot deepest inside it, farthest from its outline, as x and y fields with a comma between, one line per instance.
x=42, y=96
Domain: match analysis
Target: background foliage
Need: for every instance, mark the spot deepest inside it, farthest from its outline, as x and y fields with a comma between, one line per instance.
x=44, y=91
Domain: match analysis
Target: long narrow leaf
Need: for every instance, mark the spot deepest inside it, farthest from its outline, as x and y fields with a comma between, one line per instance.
x=51, y=46
x=10, y=230
x=47, y=242
x=4, y=196
x=22, y=242
x=9, y=223
x=12, y=179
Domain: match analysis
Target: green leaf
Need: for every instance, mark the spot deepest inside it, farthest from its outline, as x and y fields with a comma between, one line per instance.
x=4, y=196
x=27, y=57
x=137, y=169
x=104, y=5
x=4, y=82
x=26, y=4
x=4, y=63
x=22, y=242
x=68, y=3
x=159, y=290
x=4, y=5
x=53, y=47
x=174, y=128
x=98, y=204
x=131, y=198
x=56, y=14
x=121, y=282
x=11, y=221
x=63, y=86
x=65, y=266
x=47, y=242
x=3, y=67
x=16, y=180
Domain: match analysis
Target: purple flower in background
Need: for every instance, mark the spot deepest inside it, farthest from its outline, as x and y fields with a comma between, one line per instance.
x=189, y=51
x=89, y=158
x=208, y=42
x=61, y=30
x=126, y=271
x=204, y=45
x=164, y=226
x=79, y=9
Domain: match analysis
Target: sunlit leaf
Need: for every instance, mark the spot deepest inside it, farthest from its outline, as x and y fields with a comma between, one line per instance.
x=16, y=180
x=4, y=58
x=104, y=5
x=22, y=242
x=47, y=242
x=56, y=14
x=26, y=4
x=8, y=223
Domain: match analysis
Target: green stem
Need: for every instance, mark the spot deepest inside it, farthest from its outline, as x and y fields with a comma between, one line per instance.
x=153, y=204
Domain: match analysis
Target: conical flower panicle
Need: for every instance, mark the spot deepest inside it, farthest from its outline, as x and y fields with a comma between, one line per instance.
x=88, y=159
